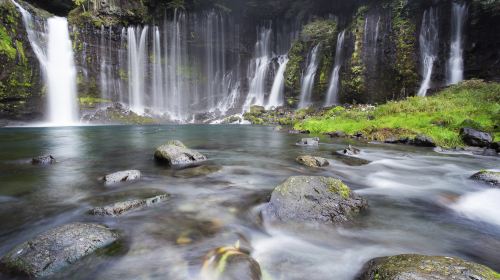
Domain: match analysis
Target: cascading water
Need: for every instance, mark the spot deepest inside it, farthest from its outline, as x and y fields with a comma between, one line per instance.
x=54, y=51
x=277, y=91
x=456, y=61
x=429, y=47
x=260, y=67
x=307, y=82
x=333, y=88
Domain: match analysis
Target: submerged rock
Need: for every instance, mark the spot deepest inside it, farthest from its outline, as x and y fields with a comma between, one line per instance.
x=43, y=160
x=197, y=171
x=230, y=263
x=313, y=199
x=123, y=207
x=176, y=154
x=416, y=267
x=336, y=134
x=350, y=160
x=308, y=142
x=56, y=249
x=350, y=151
x=312, y=161
x=490, y=177
x=293, y=131
x=122, y=176
x=475, y=138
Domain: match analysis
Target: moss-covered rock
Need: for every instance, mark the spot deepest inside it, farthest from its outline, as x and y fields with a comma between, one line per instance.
x=410, y=267
x=489, y=177
x=109, y=13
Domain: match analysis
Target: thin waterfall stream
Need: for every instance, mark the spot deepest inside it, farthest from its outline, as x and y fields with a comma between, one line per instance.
x=456, y=60
x=429, y=44
x=307, y=82
x=333, y=88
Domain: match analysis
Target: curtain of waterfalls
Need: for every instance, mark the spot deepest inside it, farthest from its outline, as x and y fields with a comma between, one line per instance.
x=429, y=47
x=307, y=82
x=456, y=61
x=277, y=91
x=333, y=88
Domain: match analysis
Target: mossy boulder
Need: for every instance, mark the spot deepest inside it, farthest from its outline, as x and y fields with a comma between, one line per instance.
x=490, y=177
x=56, y=249
x=175, y=154
x=313, y=199
x=413, y=267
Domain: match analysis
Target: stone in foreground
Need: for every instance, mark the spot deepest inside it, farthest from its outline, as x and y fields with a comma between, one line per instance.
x=43, y=160
x=313, y=199
x=176, y=154
x=419, y=267
x=230, y=263
x=490, y=177
x=56, y=249
x=311, y=161
x=475, y=138
x=122, y=176
x=308, y=142
x=123, y=207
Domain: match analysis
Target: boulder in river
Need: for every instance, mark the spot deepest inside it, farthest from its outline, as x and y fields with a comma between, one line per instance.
x=308, y=142
x=313, y=199
x=122, y=176
x=312, y=161
x=490, y=177
x=176, y=154
x=43, y=160
x=475, y=138
x=423, y=141
x=230, y=263
x=123, y=207
x=350, y=160
x=351, y=151
x=56, y=249
x=416, y=267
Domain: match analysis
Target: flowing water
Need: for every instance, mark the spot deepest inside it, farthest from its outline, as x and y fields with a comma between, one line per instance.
x=52, y=45
x=420, y=201
x=277, y=97
x=333, y=88
x=456, y=60
x=307, y=82
x=429, y=47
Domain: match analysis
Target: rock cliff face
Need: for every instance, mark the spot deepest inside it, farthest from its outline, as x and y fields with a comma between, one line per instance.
x=380, y=57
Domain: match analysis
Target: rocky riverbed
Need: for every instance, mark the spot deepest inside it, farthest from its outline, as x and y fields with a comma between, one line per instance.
x=240, y=202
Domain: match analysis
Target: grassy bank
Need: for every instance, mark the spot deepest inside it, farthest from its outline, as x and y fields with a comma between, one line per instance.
x=471, y=104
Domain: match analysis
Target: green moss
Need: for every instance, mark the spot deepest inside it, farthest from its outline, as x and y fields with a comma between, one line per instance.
x=472, y=100
x=6, y=46
x=20, y=50
x=296, y=57
x=91, y=101
x=337, y=186
x=319, y=31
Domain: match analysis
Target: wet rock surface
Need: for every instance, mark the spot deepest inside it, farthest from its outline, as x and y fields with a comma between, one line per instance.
x=350, y=160
x=123, y=207
x=475, y=138
x=198, y=171
x=312, y=161
x=422, y=141
x=490, y=177
x=122, y=176
x=416, y=267
x=43, y=160
x=351, y=151
x=313, y=199
x=308, y=142
x=230, y=263
x=176, y=154
x=56, y=249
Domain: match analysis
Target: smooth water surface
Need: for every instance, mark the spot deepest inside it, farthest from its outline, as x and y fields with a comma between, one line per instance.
x=420, y=201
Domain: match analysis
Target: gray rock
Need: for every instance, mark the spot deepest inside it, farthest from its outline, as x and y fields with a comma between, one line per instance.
x=350, y=151
x=198, y=171
x=475, y=138
x=56, y=249
x=230, y=263
x=122, y=176
x=490, y=177
x=495, y=146
x=311, y=161
x=313, y=199
x=123, y=207
x=489, y=152
x=293, y=131
x=175, y=154
x=308, y=142
x=423, y=141
x=420, y=267
x=43, y=160
x=350, y=160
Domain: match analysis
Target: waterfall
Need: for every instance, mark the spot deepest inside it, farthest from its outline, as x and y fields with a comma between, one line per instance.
x=54, y=51
x=456, y=61
x=137, y=57
x=158, y=98
x=277, y=91
x=307, y=82
x=429, y=47
x=333, y=88
x=260, y=64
